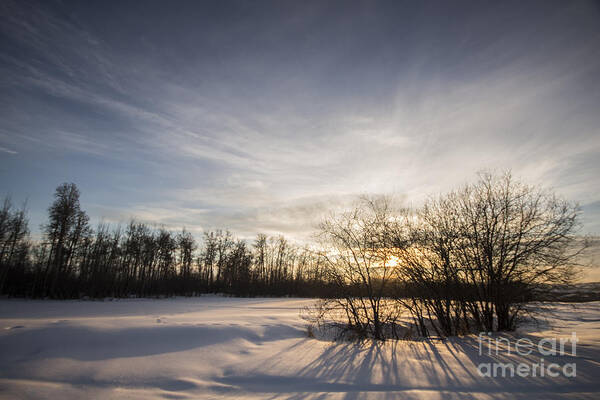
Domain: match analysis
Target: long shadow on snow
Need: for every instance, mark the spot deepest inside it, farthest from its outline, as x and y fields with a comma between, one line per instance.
x=88, y=344
x=405, y=366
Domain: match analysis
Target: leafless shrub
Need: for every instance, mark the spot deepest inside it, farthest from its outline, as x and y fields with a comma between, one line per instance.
x=358, y=262
x=475, y=255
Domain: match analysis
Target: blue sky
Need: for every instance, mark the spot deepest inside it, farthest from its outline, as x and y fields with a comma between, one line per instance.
x=262, y=116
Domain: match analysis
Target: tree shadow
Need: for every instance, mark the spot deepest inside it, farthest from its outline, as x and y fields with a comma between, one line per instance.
x=94, y=344
x=448, y=367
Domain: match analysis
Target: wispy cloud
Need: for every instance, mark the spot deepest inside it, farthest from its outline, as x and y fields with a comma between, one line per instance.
x=262, y=124
x=5, y=150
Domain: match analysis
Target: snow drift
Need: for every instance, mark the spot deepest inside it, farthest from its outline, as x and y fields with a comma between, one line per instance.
x=215, y=347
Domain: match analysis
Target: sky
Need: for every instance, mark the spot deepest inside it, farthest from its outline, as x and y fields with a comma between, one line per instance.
x=261, y=116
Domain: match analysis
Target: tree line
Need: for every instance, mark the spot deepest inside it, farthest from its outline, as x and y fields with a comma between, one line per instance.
x=465, y=261
x=73, y=260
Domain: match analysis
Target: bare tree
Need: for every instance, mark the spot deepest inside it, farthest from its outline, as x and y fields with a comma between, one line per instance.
x=358, y=261
x=66, y=225
x=187, y=246
x=14, y=239
x=479, y=252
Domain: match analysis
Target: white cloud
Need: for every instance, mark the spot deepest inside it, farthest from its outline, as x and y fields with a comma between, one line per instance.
x=5, y=150
x=254, y=159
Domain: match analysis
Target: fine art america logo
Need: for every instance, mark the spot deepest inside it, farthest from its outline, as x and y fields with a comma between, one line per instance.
x=536, y=367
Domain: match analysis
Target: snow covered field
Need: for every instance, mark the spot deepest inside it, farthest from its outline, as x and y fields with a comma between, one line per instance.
x=214, y=347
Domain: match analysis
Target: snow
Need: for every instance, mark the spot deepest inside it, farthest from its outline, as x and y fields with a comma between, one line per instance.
x=218, y=347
